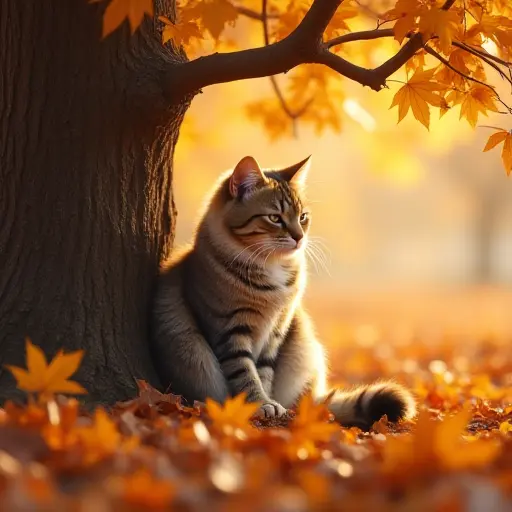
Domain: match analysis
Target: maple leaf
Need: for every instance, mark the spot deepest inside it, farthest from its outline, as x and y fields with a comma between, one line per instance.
x=182, y=33
x=405, y=12
x=118, y=10
x=504, y=136
x=337, y=25
x=478, y=99
x=417, y=94
x=310, y=426
x=291, y=17
x=98, y=440
x=214, y=15
x=439, y=22
x=39, y=377
x=234, y=415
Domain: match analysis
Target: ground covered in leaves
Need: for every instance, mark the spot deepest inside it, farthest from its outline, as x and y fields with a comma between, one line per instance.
x=154, y=452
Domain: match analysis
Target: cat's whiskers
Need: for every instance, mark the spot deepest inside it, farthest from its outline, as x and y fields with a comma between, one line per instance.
x=252, y=259
x=260, y=242
x=316, y=251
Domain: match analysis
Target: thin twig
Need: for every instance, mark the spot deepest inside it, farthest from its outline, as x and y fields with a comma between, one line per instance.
x=254, y=15
x=482, y=54
x=432, y=52
x=440, y=58
x=273, y=81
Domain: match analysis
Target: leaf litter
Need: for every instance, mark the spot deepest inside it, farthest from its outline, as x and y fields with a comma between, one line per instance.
x=155, y=452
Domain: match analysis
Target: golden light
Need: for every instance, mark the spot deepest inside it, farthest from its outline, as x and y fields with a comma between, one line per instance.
x=490, y=46
x=359, y=114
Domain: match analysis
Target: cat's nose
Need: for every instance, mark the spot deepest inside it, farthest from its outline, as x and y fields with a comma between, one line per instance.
x=298, y=238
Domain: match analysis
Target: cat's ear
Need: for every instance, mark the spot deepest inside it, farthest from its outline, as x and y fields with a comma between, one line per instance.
x=246, y=176
x=298, y=173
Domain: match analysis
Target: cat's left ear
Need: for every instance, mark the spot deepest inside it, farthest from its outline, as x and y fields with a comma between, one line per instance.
x=298, y=173
x=246, y=176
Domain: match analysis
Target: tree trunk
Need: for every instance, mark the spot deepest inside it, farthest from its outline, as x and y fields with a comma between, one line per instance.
x=86, y=210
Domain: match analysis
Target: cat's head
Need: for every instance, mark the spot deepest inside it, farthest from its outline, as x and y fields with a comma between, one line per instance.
x=266, y=211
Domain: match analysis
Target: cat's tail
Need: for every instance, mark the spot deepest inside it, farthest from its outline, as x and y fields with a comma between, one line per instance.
x=363, y=406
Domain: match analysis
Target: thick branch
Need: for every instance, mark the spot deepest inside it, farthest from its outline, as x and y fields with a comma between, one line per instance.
x=363, y=35
x=304, y=45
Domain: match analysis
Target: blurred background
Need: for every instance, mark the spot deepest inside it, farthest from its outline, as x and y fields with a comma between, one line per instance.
x=416, y=225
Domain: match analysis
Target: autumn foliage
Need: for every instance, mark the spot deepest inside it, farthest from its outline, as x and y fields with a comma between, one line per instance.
x=154, y=452
x=449, y=54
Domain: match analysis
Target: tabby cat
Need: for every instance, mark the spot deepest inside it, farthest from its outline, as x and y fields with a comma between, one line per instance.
x=228, y=316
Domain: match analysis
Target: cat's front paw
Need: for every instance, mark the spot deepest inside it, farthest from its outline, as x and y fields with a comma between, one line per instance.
x=271, y=409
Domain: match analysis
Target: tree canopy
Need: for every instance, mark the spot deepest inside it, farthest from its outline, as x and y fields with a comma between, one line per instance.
x=448, y=54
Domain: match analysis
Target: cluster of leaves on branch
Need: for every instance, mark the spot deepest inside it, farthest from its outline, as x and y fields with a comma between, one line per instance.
x=154, y=452
x=465, y=50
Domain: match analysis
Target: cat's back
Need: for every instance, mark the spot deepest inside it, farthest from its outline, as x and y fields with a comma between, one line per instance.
x=170, y=280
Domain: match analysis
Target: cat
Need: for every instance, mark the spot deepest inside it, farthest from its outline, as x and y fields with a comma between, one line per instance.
x=228, y=316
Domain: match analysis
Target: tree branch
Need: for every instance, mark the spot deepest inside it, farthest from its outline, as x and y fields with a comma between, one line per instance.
x=363, y=35
x=304, y=45
x=293, y=115
x=441, y=59
x=254, y=15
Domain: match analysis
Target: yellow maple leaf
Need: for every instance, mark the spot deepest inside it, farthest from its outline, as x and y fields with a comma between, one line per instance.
x=504, y=136
x=477, y=99
x=439, y=22
x=405, y=12
x=291, y=17
x=233, y=415
x=118, y=10
x=48, y=379
x=214, y=15
x=310, y=426
x=338, y=24
x=417, y=94
x=98, y=440
x=181, y=33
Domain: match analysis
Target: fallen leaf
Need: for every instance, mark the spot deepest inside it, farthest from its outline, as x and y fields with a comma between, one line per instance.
x=233, y=415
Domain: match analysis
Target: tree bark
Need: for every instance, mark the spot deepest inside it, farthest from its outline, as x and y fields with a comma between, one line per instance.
x=87, y=137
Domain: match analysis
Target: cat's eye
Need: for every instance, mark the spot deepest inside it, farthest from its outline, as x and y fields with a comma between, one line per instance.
x=303, y=218
x=276, y=219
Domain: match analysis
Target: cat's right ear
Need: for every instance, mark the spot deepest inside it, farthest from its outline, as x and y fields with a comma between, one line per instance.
x=246, y=176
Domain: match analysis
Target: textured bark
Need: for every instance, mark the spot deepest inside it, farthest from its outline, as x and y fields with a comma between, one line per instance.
x=86, y=211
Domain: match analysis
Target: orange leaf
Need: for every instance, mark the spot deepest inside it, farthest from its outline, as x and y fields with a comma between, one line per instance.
x=417, y=94
x=506, y=154
x=495, y=139
x=118, y=10
x=442, y=23
x=478, y=99
x=233, y=415
x=48, y=379
x=214, y=15
x=181, y=33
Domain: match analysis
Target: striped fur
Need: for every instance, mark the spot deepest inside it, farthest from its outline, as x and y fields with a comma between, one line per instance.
x=228, y=315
